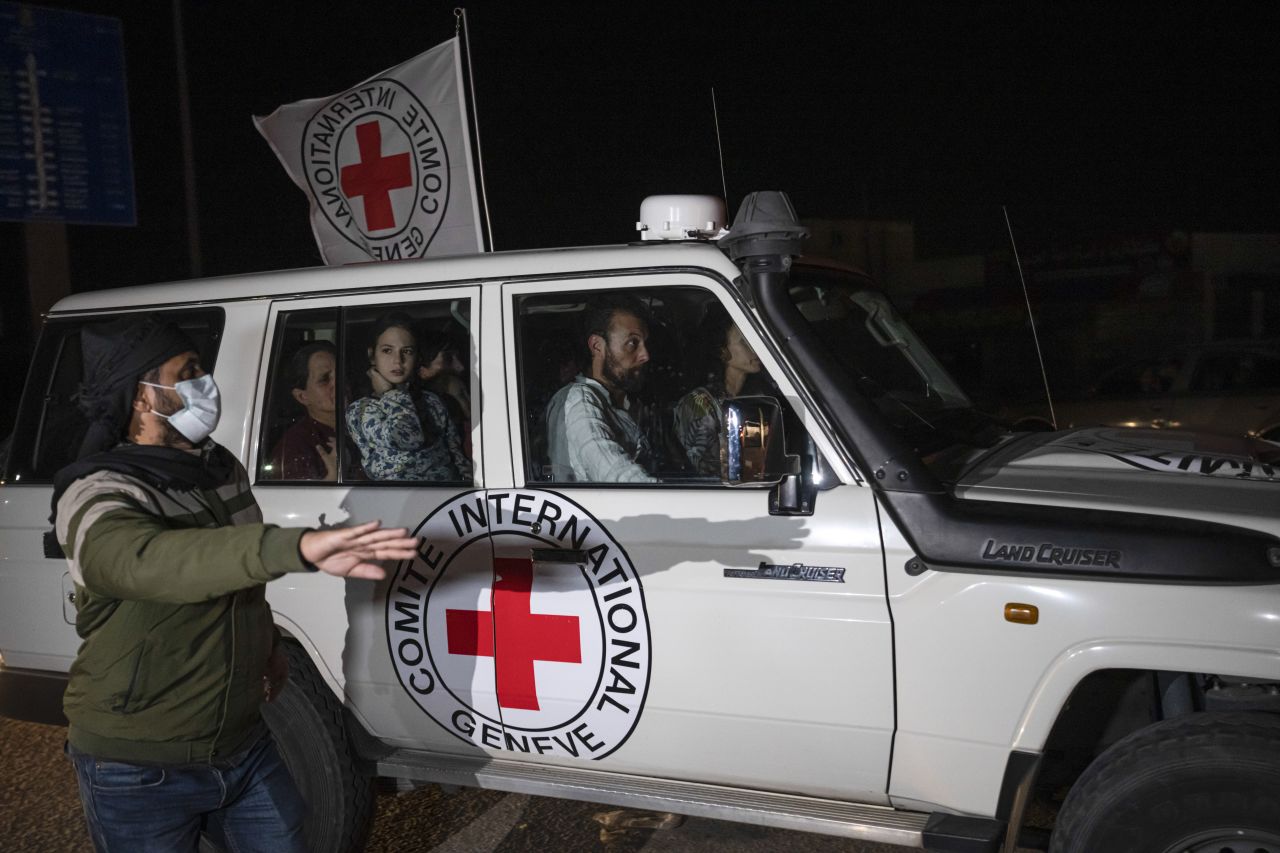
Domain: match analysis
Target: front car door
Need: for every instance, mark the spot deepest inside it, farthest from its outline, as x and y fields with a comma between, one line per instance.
x=676, y=628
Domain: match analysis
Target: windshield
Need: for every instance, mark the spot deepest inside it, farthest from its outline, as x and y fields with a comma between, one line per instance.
x=886, y=360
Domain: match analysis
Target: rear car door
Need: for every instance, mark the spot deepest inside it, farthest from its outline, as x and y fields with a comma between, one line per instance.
x=383, y=645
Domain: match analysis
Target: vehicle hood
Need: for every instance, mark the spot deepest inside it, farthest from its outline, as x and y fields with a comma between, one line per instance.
x=1222, y=479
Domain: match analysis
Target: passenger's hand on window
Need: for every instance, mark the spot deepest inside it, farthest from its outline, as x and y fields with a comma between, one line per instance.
x=328, y=453
x=379, y=382
x=352, y=552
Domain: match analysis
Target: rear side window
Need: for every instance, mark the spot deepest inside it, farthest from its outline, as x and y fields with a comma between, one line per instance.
x=50, y=427
x=370, y=394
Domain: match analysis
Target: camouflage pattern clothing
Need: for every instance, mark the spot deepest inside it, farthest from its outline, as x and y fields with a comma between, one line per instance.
x=699, y=426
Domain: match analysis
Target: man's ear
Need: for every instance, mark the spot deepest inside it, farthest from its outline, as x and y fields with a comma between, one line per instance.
x=140, y=403
x=596, y=344
x=300, y=395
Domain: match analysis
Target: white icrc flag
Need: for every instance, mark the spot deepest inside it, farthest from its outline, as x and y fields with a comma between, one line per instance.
x=386, y=164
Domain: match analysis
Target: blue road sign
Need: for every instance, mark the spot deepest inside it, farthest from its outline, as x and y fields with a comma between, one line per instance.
x=64, y=118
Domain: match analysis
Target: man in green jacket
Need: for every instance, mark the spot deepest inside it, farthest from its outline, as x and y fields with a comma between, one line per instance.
x=170, y=558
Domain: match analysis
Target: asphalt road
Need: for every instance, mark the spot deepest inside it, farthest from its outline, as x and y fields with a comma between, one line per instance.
x=40, y=813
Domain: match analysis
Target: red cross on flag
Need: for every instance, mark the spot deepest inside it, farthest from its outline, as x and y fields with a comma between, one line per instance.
x=386, y=165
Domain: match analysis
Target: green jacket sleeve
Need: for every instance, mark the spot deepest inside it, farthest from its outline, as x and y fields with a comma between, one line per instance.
x=132, y=555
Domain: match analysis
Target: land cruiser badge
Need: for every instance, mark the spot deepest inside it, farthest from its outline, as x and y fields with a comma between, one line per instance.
x=521, y=625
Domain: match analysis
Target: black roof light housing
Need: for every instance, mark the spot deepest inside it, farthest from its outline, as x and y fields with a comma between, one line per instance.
x=765, y=228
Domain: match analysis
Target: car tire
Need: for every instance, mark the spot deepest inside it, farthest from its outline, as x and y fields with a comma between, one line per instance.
x=1204, y=782
x=306, y=721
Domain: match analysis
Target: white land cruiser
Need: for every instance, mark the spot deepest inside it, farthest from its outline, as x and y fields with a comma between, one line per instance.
x=884, y=617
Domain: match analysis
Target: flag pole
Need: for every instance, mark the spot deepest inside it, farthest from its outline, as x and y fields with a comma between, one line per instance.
x=461, y=14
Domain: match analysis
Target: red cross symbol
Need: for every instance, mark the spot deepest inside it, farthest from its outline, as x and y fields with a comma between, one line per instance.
x=522, y=636
x=375, y=176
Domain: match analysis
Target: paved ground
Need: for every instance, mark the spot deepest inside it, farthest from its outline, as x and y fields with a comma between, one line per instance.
x=40, y=813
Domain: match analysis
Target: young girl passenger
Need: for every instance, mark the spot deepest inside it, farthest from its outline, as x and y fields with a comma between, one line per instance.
x=402, y=430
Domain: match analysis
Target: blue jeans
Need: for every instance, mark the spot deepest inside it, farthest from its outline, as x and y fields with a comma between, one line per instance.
x=249, y=805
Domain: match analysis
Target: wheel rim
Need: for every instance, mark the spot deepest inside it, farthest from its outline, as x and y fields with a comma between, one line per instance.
x=1228, y=841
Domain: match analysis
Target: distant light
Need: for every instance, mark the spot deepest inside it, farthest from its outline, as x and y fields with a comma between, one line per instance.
x=267, y=467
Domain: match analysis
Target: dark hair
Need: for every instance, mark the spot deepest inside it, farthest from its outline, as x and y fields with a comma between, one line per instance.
x=391, y=320
x=432, y=342
x=713, y=337
x=598, y=316
x=300, y=364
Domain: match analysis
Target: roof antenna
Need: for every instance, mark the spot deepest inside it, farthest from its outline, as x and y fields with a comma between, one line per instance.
x=724, y=185
x=1053, y=418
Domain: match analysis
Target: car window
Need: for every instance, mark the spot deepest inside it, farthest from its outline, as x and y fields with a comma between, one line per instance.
x=374, y=394
x=627, y=386
x=50, y=425
x=1235, y=372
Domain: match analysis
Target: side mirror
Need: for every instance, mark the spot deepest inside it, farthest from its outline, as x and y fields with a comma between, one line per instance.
x=753, y=447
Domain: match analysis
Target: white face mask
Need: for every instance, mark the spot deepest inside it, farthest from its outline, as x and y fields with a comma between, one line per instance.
x=201, y=407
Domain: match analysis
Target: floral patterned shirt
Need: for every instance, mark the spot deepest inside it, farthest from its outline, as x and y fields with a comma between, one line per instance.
x=400, y=441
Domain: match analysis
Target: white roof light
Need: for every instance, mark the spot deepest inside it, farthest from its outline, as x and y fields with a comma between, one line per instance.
x=681, y=217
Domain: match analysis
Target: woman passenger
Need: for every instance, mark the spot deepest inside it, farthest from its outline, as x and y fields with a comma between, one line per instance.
x=402, y=430
x=726, y=364
x=442, y=371
x=308, y=448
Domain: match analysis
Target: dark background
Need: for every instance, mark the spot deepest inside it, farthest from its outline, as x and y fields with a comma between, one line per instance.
x=1086, y=119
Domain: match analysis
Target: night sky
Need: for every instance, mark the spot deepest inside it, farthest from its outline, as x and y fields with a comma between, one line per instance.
x=1087, y=119
x=1083, y=118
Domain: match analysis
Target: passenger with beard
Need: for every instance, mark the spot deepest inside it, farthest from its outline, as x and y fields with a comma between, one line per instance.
x=592, y=434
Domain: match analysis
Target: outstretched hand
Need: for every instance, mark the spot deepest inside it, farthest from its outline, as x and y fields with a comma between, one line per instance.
x=351, y=552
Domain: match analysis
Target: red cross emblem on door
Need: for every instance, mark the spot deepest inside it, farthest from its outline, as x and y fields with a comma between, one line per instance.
x=521, y=636
x=373, y=177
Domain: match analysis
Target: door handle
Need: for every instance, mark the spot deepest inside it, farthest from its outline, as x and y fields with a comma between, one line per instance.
x=566, y=556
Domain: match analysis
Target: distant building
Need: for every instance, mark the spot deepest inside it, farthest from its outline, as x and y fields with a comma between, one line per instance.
x=1097, y=302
